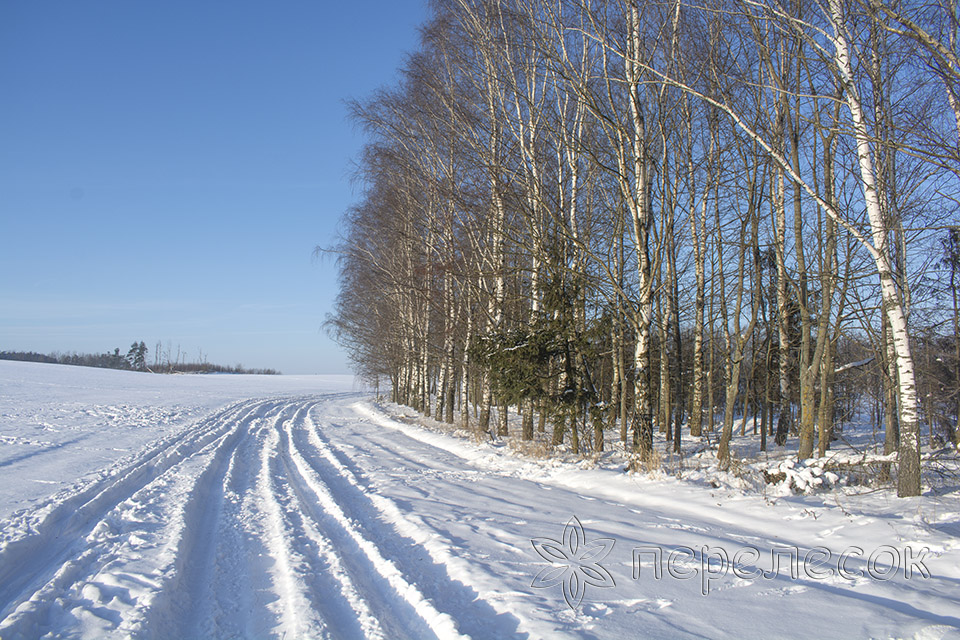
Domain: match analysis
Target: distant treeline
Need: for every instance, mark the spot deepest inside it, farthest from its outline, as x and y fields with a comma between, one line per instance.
x=134, y=360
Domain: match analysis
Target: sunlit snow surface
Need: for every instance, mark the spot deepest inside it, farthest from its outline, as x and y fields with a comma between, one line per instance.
x=136, y=505
x=58, y=423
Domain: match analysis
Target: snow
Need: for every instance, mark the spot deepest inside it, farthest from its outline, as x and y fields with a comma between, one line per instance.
x=59, y=423
x=145, y=506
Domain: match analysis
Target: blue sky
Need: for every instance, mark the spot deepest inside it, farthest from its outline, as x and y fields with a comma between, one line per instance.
x=167, y=168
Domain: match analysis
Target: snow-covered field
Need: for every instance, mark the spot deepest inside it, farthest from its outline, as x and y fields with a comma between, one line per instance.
x=245, y=506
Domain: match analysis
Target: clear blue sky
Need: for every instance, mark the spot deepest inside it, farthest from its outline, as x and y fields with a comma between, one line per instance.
x=167, y=168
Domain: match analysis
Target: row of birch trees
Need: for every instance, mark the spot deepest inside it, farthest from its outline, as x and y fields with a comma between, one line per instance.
x=635, y=219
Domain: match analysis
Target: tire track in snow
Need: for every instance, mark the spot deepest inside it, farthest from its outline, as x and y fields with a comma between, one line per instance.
x=229, y=529
x=50, y=553
x=203, y=610
x=269, y=570
x=296, y=614
x=399, y=604
x=422, y=558
x=211, y=552
x=336, y=594
x=243, y=569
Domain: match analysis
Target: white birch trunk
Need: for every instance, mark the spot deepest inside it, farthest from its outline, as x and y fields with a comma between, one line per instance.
x=908, y=479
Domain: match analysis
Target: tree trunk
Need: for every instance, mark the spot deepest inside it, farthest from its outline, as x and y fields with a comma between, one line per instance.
x=637, y=198
x=527, y=425
x=908, y=476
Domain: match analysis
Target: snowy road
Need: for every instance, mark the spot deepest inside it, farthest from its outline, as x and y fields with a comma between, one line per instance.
x=321, y=516
x=246, y=525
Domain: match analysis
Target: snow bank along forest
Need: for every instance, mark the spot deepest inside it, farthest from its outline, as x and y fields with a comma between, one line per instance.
x=670, y=228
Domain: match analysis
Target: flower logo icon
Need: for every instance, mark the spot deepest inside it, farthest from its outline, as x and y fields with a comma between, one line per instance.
x=574, y=563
